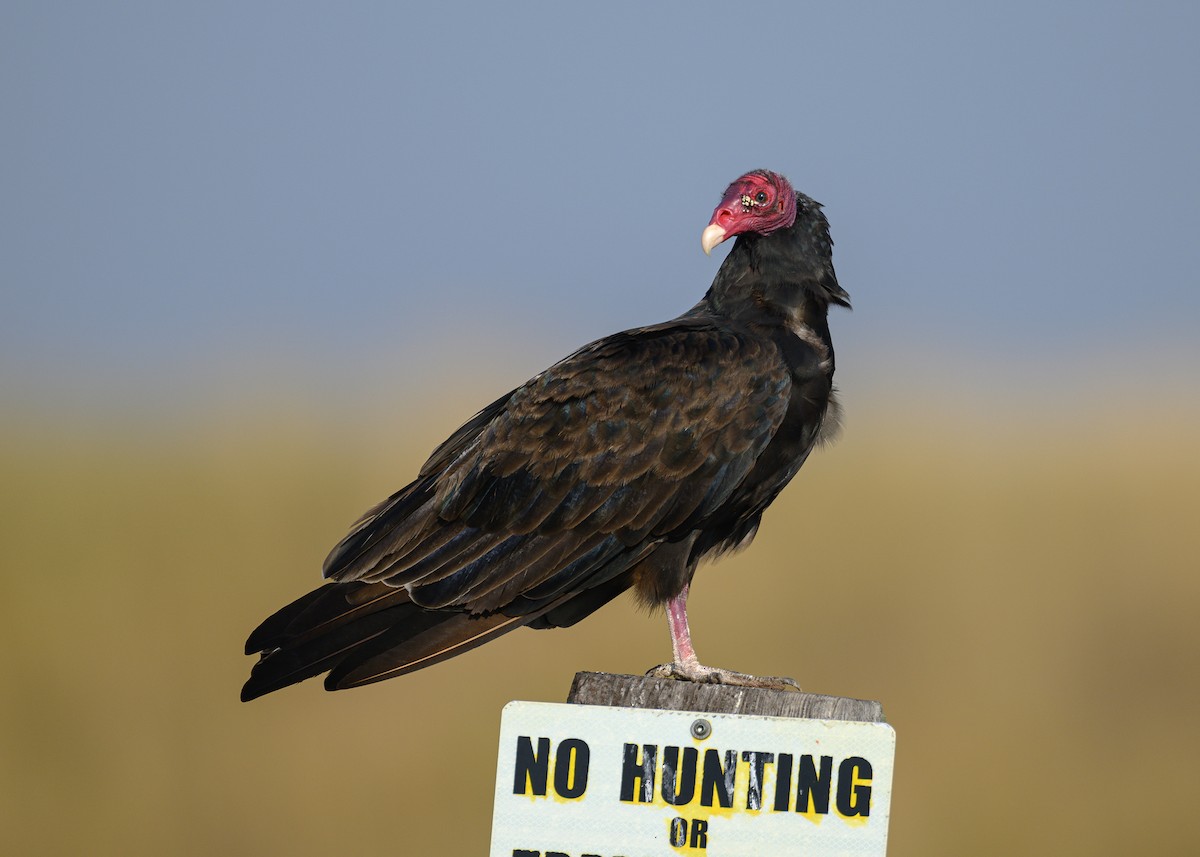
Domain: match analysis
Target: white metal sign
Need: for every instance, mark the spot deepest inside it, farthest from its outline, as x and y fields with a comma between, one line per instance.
x=594, y=781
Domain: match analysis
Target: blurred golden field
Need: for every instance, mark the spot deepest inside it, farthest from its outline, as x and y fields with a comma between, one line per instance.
x=1022, y=595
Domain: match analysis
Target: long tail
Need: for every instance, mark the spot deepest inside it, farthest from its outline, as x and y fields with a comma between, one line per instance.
x=361, y=633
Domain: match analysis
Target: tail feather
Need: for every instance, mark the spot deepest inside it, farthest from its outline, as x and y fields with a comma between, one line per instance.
x=281, y=667
x=317, y=631
x=361, y=633
x=322, y=609
x=390, y=655
x=274, y=627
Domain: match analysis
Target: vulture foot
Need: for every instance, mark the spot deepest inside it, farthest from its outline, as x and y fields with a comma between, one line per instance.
x=697, y=672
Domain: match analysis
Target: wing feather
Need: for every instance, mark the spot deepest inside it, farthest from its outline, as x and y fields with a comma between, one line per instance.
x=622, y=445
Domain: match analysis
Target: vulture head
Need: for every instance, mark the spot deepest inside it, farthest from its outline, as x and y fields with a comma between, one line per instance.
x=760, y=201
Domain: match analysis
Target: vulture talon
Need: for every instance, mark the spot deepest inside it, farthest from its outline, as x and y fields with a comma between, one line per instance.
x=701, y=674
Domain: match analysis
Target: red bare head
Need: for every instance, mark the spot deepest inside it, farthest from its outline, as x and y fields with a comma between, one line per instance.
x=760, y=201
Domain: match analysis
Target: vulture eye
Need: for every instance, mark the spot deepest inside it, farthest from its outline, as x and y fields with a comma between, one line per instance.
x=761, y=197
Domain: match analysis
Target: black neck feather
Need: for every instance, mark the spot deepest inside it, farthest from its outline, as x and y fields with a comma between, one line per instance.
x=787, y=274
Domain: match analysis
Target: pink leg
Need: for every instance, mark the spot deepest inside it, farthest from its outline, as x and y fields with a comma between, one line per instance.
x=687, y=666
x=681, y=634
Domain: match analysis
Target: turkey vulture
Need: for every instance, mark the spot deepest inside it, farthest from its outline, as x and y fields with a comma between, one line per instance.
x=620, y=467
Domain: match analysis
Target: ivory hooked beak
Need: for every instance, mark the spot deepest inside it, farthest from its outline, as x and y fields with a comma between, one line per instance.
x=711, y=237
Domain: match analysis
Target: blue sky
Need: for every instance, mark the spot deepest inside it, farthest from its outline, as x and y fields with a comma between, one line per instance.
x=337, y=196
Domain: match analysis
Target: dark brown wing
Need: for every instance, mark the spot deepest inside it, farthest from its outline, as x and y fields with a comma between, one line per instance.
x=632, y=439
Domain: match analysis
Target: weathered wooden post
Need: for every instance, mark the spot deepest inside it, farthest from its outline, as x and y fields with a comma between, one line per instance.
x=634, y=766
